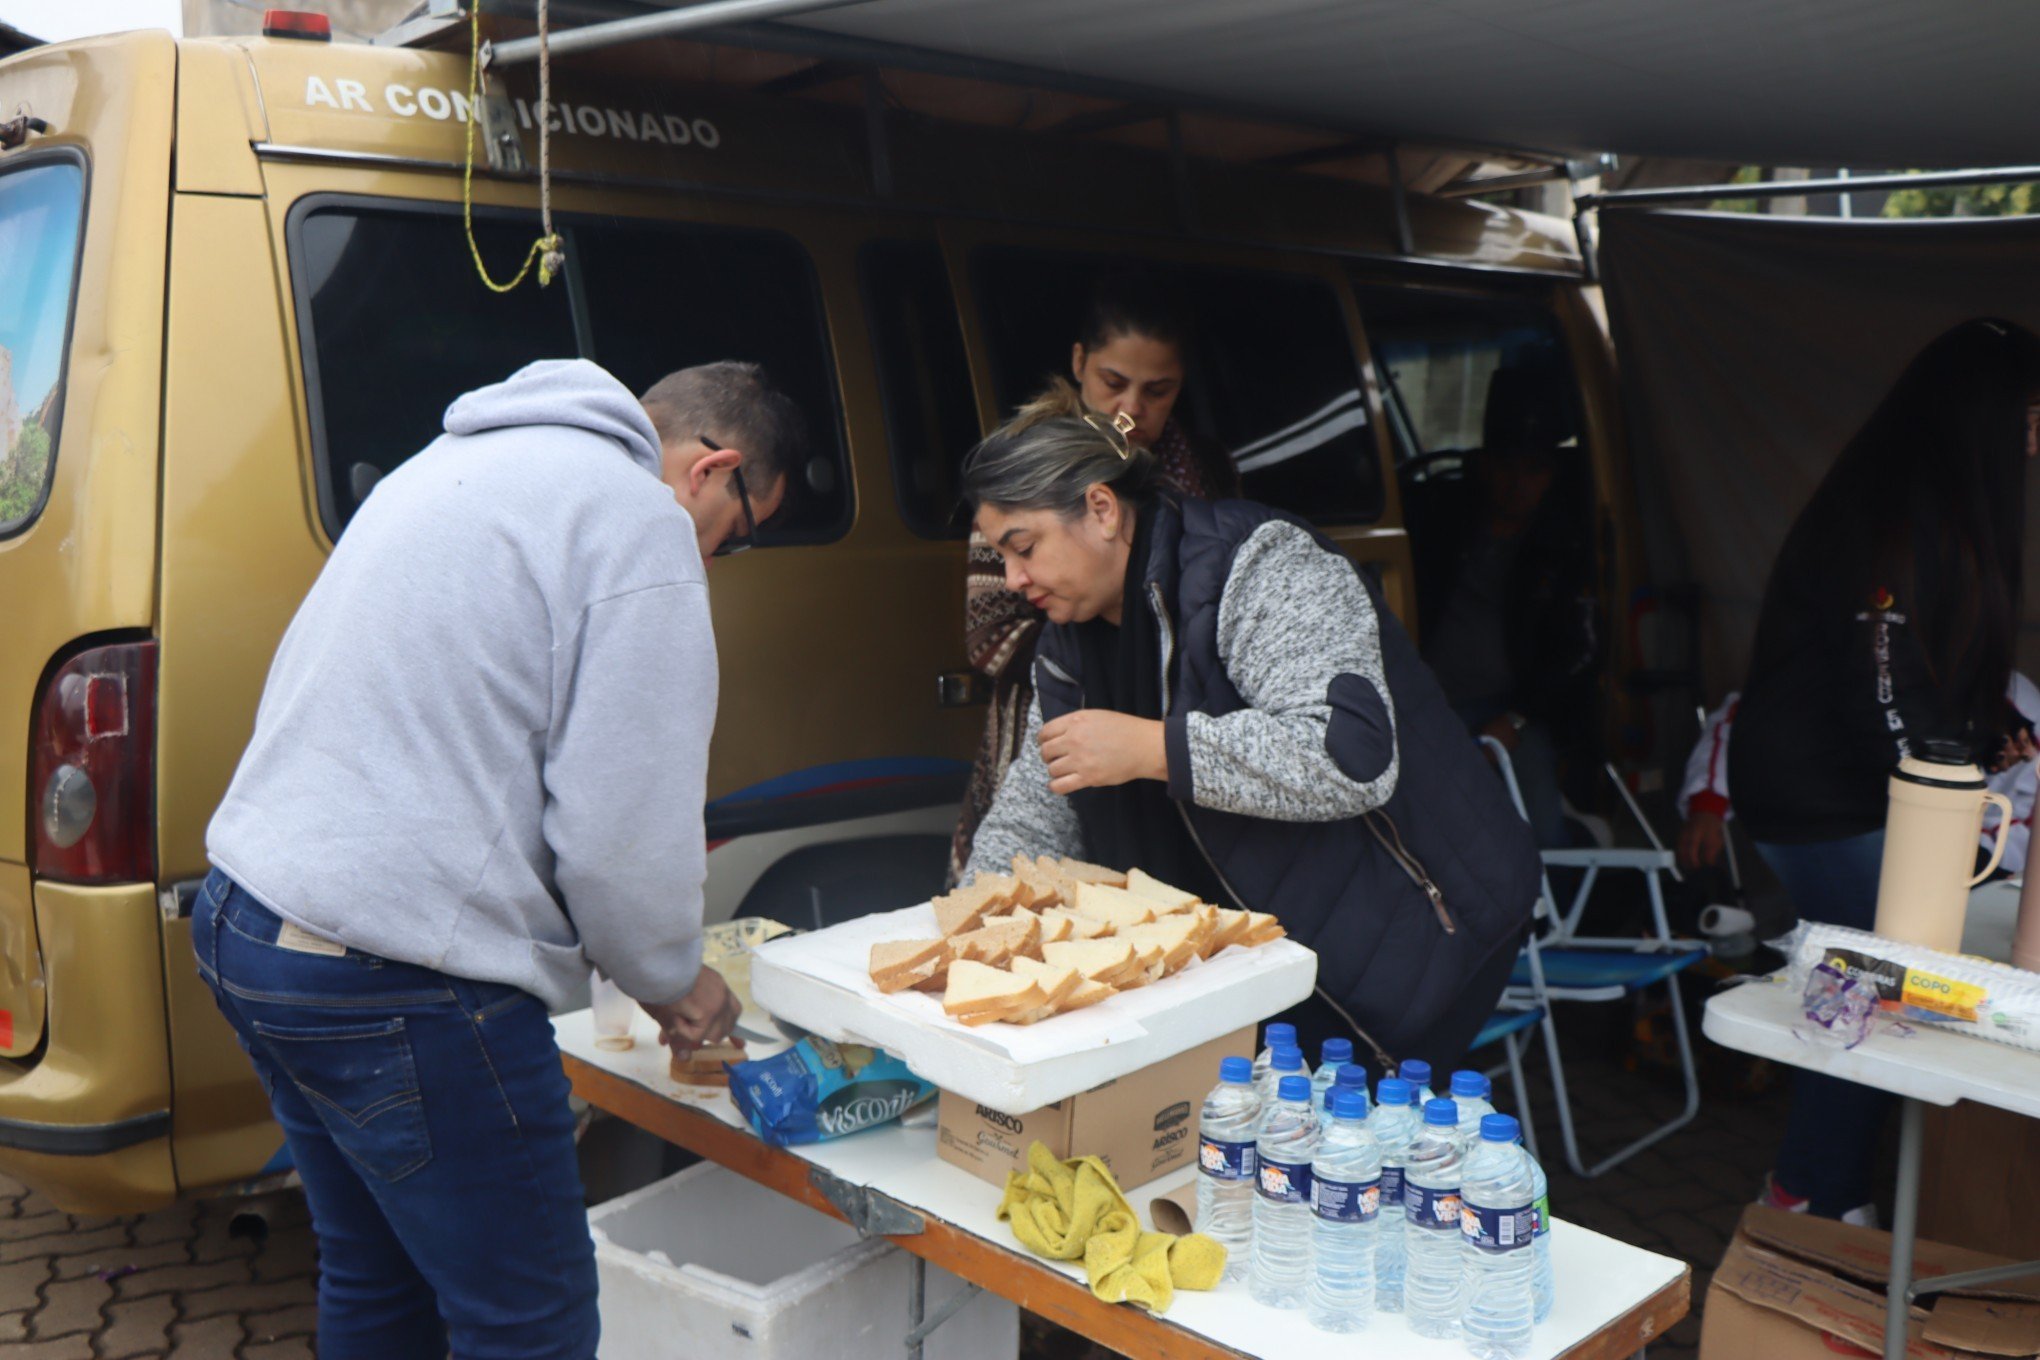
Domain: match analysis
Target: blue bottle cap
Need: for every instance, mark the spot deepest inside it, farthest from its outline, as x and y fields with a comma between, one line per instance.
x=1280, y=1034
x=1499, y=1128
x=1338, y=1051
x=1416, y=1072
x=1294, y=1088
x=1235, y=1069
x=1354, y=1075
x=1471, y=1085
x=1441, y=1111
x=1395, y=1091
x=1348, y=1104
x=1288, y=1058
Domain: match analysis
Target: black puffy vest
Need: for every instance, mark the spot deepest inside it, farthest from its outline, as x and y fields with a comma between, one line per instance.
x=1384, y=952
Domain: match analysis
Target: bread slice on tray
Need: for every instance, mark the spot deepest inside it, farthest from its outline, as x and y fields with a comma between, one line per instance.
x=1090, y=873
x=1057, y=982
x=1142, y=884
x=1096, y=959
x=1262, y=928
x=966, y=908
x=1080, y=927
x=1114, y=907
x=978, y=994
x=1175, y=935
x=899, y=964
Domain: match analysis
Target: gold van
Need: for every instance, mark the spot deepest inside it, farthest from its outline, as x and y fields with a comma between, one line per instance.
x=234, y=291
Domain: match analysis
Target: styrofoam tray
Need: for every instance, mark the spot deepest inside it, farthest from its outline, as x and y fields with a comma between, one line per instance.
x=820, y=981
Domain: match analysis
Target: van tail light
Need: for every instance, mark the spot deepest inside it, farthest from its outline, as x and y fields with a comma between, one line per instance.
x=92, y=767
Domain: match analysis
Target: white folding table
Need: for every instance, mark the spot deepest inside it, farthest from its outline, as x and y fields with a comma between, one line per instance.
x=1612, y=1298
x=1922, y=1067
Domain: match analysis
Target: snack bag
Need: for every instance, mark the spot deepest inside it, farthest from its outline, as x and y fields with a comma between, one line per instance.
x=818, y=1089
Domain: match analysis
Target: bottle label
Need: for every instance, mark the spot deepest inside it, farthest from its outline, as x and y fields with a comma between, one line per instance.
x=1392, y=1186
x=1285, y=1182
x=1429, y=1208
x=1223, y=1161
x=1541, y=1211
x=1498, y=1229
x=1345, y=1201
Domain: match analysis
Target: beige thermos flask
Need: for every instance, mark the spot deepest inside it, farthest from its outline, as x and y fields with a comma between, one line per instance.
x=1931, y=834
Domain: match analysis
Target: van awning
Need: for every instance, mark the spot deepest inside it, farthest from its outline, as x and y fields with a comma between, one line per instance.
x=1866, y=83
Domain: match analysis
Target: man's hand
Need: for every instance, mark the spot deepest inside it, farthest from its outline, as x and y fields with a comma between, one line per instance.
x=703, y=1018
x=1700, y=840
x=1095, y=748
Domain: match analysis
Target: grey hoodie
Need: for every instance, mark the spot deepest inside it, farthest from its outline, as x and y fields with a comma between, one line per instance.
x=483, y=743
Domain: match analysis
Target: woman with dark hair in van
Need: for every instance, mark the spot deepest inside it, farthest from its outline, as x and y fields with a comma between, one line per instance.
x=1221, y=700
x=1128, y=359
x=1887, y=629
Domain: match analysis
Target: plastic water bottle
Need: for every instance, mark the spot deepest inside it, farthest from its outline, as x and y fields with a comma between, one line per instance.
x=1225, y=1156
x=1394, y=1125
x=1337, y=1053
x=1434, y=1274
x=1417, y=1073
x=1543, y=1285
x=1470, y=1091
x=1345, y=1188
x=1280, y=1035
x=1498, y=1221
x=1287, y=1061
x=1352, y=1077
x=1288, y=1141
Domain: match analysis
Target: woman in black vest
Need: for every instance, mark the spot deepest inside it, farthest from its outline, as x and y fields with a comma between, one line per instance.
x=1221, y=700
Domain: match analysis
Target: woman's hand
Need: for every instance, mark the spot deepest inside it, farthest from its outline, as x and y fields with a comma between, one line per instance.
x=1095, y=748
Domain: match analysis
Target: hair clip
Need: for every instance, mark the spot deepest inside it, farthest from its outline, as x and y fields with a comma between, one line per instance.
x=1119, y=433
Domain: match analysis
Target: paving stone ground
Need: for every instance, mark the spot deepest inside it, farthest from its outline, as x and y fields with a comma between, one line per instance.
x=183, y=1283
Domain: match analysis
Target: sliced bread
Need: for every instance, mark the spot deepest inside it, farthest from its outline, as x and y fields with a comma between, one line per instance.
x=978, y=993
x=899, y=964
x=1142, y=884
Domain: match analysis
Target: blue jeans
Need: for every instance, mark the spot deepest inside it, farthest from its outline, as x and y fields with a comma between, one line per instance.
x=1831, y=1136
x=429, y=1120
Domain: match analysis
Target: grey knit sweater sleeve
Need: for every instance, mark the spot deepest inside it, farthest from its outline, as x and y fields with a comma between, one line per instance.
x=1300, y=642
x=1025, y=818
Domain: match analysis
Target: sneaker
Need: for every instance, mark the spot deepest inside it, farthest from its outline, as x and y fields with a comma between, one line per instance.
x=1775, y=1196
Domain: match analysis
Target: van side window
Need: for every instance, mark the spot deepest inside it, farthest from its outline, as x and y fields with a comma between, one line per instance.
x=42, y=206
x=1484, y=413
x=931, y=418
x=664, y=296
x=1438, y=355
x=1272, y=378
x=395, y=324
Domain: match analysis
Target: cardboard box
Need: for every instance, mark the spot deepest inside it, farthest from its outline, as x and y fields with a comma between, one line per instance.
x=1143, y=1125
x=1794, y=1287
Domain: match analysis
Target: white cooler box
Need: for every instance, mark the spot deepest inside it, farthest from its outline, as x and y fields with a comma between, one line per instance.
x=748, y=1274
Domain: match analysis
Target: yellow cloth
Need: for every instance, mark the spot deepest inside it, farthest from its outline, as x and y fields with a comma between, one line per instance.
x=1074, y=1210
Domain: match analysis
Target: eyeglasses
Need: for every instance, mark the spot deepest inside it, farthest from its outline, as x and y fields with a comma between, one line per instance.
x=748, y=539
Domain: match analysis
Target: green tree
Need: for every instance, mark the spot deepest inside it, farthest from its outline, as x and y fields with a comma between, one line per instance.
x=29, y=464
x=1976, y=200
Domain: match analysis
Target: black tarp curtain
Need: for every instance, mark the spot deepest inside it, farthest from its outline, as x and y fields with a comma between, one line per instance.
x=1752, y=347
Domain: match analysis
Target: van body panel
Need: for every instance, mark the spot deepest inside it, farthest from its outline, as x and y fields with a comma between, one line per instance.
x=239, y=548
x=88, y=1122
x=85, y=565
x=219, y=120
x=221, y=1131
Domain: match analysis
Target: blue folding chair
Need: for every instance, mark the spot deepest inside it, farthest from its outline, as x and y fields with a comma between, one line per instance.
x=1507, y=1026
x=1567, y=966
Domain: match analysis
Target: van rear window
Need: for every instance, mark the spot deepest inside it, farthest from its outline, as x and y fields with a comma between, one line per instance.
x=42, y=206
x=1272, y=379
x=395, y=324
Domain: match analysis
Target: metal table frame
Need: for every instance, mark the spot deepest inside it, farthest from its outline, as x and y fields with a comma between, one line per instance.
x=1004, y=1270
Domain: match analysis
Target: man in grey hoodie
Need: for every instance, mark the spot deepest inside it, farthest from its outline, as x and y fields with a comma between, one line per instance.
x=478, y=768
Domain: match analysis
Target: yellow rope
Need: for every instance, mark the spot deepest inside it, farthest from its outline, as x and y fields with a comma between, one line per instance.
x=546, y=251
